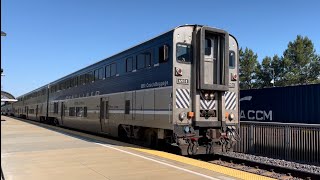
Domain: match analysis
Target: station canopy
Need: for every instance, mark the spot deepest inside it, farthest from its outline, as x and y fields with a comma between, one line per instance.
x=7, y=97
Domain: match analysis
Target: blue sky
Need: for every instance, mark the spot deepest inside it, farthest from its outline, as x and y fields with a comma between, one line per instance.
x=47, y=39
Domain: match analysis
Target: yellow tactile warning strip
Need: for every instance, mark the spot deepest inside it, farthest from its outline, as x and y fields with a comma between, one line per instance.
x=205, y=165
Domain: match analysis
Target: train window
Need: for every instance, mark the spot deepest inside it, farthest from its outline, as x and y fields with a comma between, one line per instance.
x=61, y=86
x=184, y=53
x=82, y=79
x=86, y=78
x=127, y=107
x=64, y=84
x=55, y=107
x=71, y=111
x=140, y=61
x=85, y=109
x=79, y=111
x=129, y=64
x=96, y=75
x=163, y=53
x=232, y=59
x=71, y=82
x=90, y=76
x=208, y=47
x=31, y=111
x=113, y=69
x=67, y=84
x=101, y=73
x=108, y=71
x=75, y=81
x=148, y=59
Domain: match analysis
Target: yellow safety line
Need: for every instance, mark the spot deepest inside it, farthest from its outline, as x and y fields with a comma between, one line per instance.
x=205, y=165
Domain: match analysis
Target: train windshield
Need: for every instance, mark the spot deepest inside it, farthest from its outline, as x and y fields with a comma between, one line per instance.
x=184, y=53
x=232, y=60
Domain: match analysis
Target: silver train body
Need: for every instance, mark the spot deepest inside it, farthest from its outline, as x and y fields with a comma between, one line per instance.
x=180, y=88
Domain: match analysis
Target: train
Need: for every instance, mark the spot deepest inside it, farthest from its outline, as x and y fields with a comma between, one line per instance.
x=180, y=88
x=289, y=104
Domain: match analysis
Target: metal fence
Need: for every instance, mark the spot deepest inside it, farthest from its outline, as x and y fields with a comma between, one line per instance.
x=293, y=142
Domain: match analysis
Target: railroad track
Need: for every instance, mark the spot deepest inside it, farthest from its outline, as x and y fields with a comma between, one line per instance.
x=264, y=166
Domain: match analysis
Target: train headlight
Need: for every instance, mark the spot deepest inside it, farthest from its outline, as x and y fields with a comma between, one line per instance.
x=186, y=129
x=182, y=115
x=206, y=96
x=211, y=96
x=231, y=116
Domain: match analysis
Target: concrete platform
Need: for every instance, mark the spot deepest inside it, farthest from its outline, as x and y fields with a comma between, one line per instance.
x=31, y=150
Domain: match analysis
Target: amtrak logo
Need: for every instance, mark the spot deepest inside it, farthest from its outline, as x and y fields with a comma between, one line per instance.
x=247, y=98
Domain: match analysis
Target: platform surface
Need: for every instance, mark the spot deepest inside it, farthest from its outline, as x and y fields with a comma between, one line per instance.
x=32, y=150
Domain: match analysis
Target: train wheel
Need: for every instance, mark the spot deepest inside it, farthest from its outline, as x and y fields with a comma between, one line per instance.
x=152, y=139
x=55, y=122
x=122, y=134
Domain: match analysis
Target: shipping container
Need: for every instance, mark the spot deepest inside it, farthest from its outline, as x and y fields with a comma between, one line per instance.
x=290, y=104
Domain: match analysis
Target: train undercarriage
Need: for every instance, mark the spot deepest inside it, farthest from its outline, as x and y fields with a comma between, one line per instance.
x=195, y=141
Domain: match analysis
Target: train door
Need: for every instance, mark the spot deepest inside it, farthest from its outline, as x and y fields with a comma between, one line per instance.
x=27, y=111
x=104, y=114
x=148, y=105
x=128, y=113
x=62, y=112
x=37, y=112
x=138, y=105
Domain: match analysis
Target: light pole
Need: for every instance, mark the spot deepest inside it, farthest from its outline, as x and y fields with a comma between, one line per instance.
x=2, y=34
x=272, y=81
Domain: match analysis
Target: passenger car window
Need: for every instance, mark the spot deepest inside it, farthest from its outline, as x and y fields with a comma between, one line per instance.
x=79, y=111
x=127, y=107
x=140, y=61
x=101, y=73
x=96, y=75
x=108, y=71
x=129, y=64
x=71, y=111
x=147, y=57
x=113, y=69
x=85, y=109
x=163, y=53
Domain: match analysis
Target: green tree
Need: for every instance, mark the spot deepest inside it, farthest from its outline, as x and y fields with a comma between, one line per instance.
x=248, y=68
x=265, y=73
x=277, y=66
x=300, y=62
x=270, y=69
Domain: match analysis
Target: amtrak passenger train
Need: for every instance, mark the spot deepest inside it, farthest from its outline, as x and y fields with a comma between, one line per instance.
x=179, y=88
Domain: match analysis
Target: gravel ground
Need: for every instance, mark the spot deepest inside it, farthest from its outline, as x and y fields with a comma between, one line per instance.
x=276, y=162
